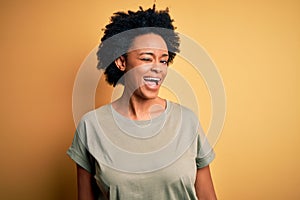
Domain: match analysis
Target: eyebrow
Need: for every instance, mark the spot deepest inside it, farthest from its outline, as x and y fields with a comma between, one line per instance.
x=152, y=54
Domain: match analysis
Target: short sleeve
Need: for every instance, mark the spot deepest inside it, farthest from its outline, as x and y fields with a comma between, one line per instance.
x=205, y=153
x=80, y=154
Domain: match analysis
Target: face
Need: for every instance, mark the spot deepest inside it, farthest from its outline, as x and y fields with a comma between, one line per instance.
x=145, y=65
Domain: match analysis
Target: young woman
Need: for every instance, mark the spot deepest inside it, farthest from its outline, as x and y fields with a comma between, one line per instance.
x=141, y=146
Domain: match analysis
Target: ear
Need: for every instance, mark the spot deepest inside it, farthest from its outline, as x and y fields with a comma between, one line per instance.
x=121, y=63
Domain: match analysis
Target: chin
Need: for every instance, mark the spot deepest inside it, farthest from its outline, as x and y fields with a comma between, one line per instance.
x=146, y=94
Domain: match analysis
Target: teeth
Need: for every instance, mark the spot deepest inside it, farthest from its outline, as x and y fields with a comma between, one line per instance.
x=151, y=79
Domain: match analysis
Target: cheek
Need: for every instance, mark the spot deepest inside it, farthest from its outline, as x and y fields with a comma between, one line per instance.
x=165, y=72
x=134, y=76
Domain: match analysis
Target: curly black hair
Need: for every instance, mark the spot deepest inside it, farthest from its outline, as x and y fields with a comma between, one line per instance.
x=123, y=28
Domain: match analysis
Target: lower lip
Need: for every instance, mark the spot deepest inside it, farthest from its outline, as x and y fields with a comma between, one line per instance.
x=152, y=85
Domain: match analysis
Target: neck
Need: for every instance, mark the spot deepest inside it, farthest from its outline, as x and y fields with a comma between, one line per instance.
x=138, y=108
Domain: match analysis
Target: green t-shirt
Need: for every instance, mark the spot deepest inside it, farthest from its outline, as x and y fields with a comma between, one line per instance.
x=153, y=159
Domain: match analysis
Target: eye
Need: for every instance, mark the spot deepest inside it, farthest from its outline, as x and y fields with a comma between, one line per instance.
x=146, y=59
x=165, y=62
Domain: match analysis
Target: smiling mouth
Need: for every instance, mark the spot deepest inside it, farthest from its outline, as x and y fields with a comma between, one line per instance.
x=152, y=80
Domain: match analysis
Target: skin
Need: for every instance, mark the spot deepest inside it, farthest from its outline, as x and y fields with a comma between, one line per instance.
x=147, y=57
x=85, y=185
x=204, y=185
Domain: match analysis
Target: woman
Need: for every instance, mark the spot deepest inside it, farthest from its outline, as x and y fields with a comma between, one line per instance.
x=141, y=146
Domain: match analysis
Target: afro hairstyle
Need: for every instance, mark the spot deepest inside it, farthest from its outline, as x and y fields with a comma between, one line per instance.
x=121, y=31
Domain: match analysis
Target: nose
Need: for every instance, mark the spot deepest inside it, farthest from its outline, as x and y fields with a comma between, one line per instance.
x=156, y=69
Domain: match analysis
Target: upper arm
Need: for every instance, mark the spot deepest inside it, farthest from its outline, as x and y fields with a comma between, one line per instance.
x=204, y=185
x=85, y=184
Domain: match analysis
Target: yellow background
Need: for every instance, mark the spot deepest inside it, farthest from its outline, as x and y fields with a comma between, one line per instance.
x=255, y=44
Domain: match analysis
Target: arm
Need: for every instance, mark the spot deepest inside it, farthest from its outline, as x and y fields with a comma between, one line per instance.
x=85, y=184
x=204, y=185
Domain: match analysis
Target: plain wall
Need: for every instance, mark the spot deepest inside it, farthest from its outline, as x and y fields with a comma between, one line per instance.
x=255, y=44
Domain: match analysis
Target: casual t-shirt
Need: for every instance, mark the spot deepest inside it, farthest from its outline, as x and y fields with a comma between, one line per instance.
x=142, y=160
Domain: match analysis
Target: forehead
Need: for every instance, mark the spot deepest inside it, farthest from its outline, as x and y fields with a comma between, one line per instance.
x=148, y=41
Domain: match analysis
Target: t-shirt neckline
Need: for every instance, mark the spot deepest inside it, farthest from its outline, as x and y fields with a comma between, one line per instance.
x=141, y=128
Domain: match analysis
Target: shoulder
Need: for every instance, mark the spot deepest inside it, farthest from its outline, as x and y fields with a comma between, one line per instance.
x=90, y=120
x=93, y=114
x=184, y=111
x=184, y=117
